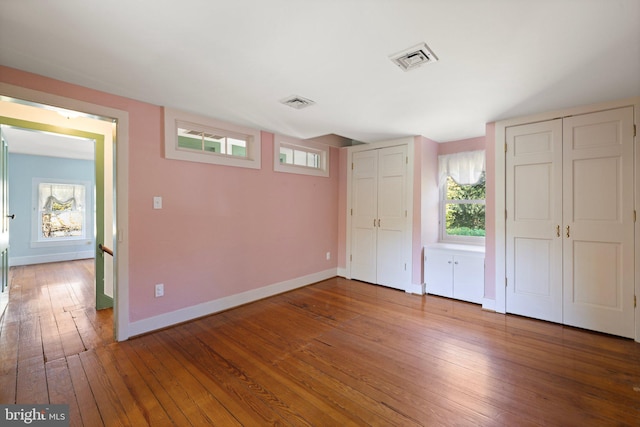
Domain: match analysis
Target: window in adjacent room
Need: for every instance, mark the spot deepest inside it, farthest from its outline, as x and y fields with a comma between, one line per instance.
x=206, y=140
x=301, y=157
x=463, y=190
x=61, y=211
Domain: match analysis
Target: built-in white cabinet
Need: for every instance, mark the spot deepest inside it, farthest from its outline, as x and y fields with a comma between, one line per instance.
x=455, y=271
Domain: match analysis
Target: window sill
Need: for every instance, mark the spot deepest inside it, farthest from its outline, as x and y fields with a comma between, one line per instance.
x=69, y=242
x=457, y=247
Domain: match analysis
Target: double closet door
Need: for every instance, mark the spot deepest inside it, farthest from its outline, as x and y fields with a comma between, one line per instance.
x=570, y=221
x=379, y=223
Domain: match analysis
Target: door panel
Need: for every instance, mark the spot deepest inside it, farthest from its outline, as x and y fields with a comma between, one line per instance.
x=364, y=205
x=598, y=251
x=4, y=226
x=534, y=217
x=392, y=225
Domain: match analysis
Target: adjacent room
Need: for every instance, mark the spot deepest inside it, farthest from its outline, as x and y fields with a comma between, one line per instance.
x=320, y=213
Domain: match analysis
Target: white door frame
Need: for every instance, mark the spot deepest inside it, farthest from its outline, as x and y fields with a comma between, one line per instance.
x=500, y=188
x=409, y=142
x=121, y=177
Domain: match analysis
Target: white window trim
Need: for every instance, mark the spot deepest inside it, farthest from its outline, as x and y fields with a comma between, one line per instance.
x=308, y=146
x=477, y=161
x=172, y=151
x=36, y=241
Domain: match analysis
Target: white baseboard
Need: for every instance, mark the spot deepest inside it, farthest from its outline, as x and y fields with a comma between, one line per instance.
x=417, y=289
x=342, y=272
x=42, y=259
x=210, y=307
x=488, y=304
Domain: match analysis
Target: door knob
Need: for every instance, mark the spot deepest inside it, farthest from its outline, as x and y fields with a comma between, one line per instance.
x=12, y=216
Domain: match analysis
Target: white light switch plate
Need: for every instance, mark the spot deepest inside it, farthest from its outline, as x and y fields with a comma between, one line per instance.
x=157, y=202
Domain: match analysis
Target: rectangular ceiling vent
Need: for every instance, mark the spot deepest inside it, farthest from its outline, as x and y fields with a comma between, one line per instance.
x=414, y=57
x=297, y=102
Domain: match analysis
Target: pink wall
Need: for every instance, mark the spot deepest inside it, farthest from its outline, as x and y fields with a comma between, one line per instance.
x=470, y=144
x=222, y=230
x=427, y=198
x=490, y=214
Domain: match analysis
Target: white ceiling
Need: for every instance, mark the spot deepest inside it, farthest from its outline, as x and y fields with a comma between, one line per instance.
x=25, y=141
x=234, y=60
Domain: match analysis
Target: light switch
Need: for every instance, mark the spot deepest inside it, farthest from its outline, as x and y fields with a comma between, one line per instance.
x=157, y=202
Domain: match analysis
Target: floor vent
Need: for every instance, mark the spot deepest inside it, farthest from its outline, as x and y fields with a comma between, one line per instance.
x=412, y=58
x=297, y=102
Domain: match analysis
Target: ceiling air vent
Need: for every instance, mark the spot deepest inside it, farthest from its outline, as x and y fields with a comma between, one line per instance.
x=297, y=102
x=414, y=57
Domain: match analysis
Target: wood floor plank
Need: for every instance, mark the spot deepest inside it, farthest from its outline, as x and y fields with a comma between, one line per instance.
x=9, y=361
x=196, y=401
x=88, y=413
x=163, y=396
x=61, y=389
x=106, y=398
x=31, y=384
x=135, y=409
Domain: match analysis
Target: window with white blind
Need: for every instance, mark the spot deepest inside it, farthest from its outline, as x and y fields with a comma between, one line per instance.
x=462, y=197
x=60, y=211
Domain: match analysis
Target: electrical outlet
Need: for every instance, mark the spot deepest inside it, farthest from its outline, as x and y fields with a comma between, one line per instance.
x=159, y=290
x=328, y=256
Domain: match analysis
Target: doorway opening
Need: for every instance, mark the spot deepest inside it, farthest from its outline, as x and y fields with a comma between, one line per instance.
x=77, y=132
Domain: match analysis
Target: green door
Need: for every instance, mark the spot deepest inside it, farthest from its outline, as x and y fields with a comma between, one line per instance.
x=102, y=300
x=4, y=227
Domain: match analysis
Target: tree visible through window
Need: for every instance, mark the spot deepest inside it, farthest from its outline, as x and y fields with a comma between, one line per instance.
x=461, y=177
x=464, y=208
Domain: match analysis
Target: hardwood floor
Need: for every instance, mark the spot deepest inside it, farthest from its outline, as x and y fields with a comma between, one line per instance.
x=335, y=353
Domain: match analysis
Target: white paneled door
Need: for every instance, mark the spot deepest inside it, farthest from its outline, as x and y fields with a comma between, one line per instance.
x=570, y=221
x=364, y=207
x=598, y=250
x=534, y=217
x=379, y=218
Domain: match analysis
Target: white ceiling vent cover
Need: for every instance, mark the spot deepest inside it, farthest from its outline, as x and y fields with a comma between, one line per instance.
x=297, y=102
x=414, y=57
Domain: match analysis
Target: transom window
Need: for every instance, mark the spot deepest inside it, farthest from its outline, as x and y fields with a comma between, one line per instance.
x=219, y=142
x=299, y=156
x=302, y=157
x=202, y=139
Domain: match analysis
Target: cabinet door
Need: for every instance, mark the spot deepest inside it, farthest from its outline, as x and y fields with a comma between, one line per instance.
x=468, y=277
x=439, y=273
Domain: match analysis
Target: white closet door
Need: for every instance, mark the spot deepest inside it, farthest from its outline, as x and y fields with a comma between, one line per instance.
x=364, y=217
x=392, y=217
x=599, y=250
x=534, y=215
